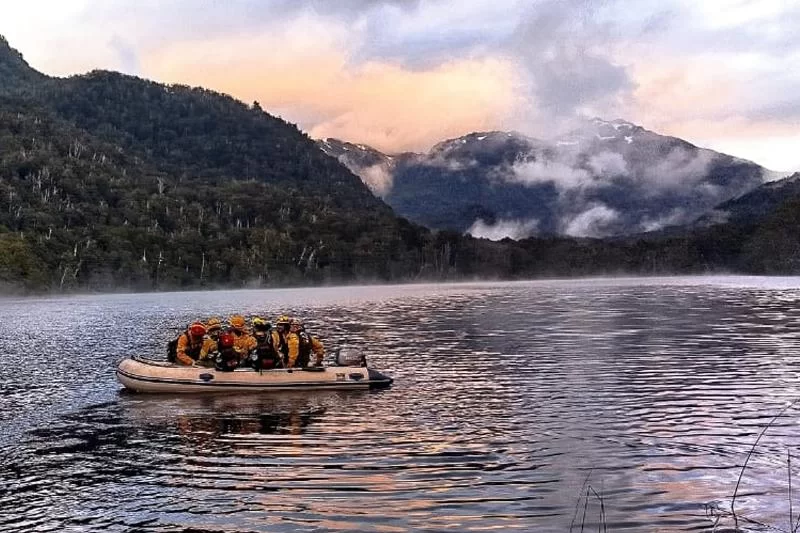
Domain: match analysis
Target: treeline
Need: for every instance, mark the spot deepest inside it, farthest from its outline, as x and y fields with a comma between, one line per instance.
x=79, y=212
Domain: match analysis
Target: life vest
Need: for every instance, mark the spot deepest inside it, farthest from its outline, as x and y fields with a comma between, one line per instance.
x=227, y=359
x=283, y=348
x=264, y=356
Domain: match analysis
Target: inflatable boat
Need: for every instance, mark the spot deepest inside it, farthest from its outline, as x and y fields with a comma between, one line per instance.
x=141, y=374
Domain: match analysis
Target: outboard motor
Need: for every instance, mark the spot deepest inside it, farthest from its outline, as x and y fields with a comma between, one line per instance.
x=350, y=357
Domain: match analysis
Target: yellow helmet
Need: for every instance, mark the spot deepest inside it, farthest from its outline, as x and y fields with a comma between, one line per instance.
x=283, y=319
x=260, y=324
x=237, y=322
x=213, y=324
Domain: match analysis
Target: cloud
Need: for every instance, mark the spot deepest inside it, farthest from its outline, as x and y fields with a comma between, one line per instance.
x=129, y=59
x=311, y=81
x=680, y=168
x=608, y=164
x=562, y=174
x=450, y=165
x=565, y=50
x=674, y=217
x=594, y=222
x=378, y=178
x=513, y=229
x=404, y=74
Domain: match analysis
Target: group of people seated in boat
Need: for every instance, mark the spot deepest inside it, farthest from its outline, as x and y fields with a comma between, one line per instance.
x=256, y=344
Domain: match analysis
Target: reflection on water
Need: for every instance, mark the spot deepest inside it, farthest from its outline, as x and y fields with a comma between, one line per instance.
x=629, y=404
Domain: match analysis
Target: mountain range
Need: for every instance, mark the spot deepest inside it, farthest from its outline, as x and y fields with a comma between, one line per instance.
x=606, y=178
x=113, y=182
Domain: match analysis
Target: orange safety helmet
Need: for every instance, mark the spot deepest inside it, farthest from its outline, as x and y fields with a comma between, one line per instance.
x=237, y=322
x=197, y=329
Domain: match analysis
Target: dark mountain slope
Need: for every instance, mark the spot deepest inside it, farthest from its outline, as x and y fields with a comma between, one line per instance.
x=202, y=134
x=15, y=73
x=756, y=204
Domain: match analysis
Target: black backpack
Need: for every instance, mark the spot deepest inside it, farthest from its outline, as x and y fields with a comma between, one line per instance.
x=172, y=349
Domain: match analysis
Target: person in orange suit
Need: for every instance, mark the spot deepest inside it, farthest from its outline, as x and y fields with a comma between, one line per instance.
x=193, y=345
x=244, y=342
x=301, y=345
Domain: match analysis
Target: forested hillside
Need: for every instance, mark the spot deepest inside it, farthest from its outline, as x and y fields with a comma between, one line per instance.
x=114, y=182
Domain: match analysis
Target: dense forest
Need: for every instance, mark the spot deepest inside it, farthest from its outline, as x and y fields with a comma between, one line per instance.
x=111, y=182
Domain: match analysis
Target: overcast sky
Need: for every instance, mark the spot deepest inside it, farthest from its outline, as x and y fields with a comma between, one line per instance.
x=405, y=74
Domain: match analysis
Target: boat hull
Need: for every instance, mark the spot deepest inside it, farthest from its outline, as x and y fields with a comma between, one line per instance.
x=146, y=375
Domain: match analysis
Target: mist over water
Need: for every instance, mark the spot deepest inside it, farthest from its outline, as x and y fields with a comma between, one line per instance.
x=511, y=403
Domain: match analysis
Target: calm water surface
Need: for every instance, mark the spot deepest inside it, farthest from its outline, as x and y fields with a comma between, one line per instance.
x=619, y=405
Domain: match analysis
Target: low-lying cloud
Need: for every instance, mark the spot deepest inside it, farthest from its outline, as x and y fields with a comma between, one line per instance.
x=378, y=178
x=594, y=222
x=561, y=174
x=608, y=164
x=512, y=229
x=674, y=217
x=680, y=168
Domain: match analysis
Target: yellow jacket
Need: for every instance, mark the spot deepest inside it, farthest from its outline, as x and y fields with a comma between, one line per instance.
x=293, y=342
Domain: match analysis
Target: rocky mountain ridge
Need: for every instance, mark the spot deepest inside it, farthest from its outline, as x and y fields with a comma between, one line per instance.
x=606, y=178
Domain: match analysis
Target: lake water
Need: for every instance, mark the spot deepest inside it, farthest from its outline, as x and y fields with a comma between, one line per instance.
x=613, y=405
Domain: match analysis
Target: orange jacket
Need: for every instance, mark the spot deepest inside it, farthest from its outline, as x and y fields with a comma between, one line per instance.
x=317, y=348
x=244, y=343
x=293, y=342
x=277, y=339
x=191, y=349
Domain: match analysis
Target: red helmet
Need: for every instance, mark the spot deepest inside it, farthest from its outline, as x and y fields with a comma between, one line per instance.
x=226, y=340
x=197, y=330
